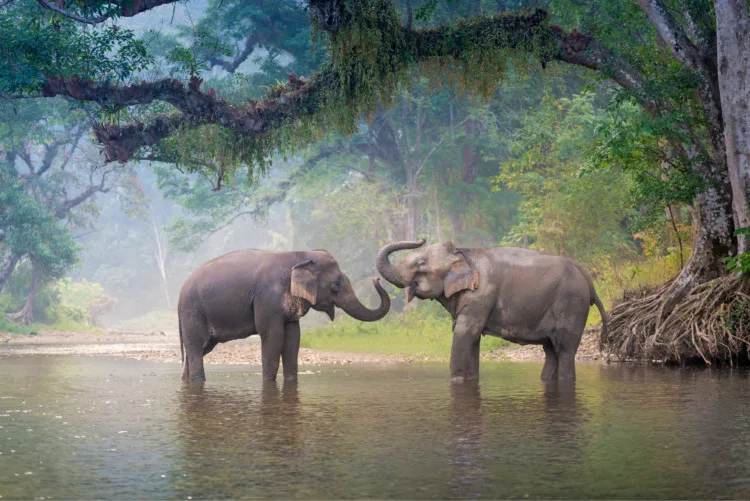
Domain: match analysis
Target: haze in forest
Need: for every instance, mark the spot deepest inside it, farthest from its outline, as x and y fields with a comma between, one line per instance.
x=582, y=129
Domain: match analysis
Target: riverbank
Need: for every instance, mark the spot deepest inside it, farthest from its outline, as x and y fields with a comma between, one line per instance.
x=164, y=347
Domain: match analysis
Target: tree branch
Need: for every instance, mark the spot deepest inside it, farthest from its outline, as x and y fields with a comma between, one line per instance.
x=197, y=108
x=128, y=8
x=303, y=97
x=72, y=203
x=231, y=66
x=434, y=149
x=672, y=33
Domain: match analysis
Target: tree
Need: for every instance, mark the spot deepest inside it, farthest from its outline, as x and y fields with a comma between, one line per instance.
x=665, y=55
x=567, y=209
x=49, y=185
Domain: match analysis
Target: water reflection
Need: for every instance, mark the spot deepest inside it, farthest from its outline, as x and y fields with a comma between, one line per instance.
x=104, y=428
x=255, y=431
x=466, y=459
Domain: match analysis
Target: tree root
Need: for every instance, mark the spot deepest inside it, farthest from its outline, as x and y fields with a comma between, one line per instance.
x=711, y=323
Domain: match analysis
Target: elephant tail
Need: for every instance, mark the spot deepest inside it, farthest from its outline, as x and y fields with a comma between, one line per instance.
x=595, y=300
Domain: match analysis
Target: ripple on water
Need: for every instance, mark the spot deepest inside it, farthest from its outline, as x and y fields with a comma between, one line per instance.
x=115, y=428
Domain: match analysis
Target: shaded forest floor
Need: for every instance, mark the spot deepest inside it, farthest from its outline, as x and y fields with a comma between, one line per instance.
x=166, y=348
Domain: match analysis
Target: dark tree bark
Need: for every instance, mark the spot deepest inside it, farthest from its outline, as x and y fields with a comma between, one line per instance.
x=8, y=269
x=733, y=52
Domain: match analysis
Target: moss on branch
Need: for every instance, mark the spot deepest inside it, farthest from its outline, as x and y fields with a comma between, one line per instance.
x=371, y=56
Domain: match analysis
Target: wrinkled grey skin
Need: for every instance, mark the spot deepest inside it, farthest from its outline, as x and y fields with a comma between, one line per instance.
x=262, y=292
x=517, y=294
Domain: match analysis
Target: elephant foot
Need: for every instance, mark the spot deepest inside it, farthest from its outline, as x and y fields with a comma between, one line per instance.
x=464, y=379
x=290, y=378
x=198, y=379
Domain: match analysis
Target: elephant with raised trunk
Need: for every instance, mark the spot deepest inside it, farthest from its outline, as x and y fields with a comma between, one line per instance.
x=520, y=295
x=262, y=292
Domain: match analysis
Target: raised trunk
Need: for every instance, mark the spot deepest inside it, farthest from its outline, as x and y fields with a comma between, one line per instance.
x=733, y=51
x=8, y=270
x=354, y=308
x=386, y=269
x=26, y=315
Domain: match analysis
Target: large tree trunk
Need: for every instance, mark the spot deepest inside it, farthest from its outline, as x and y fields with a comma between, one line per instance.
x=713, y=241
x=26, y=315
x=8, y=270
x=733, y=51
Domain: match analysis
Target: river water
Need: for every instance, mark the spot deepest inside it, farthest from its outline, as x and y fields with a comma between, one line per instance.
x=99, y=427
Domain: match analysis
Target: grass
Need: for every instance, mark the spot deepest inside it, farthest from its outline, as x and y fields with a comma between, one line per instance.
x=414, y=334
x=10, y=327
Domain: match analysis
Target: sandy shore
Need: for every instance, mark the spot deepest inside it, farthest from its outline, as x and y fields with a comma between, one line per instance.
x=166, y=348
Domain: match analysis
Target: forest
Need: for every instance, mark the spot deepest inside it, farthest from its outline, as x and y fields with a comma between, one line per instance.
x=140, y=138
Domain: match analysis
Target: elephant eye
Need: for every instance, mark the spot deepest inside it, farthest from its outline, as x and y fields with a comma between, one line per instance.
x=422, y=263
x=336, y=285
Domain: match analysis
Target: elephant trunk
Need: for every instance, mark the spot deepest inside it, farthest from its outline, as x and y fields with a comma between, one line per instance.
x=355, y=309
x=385, y=268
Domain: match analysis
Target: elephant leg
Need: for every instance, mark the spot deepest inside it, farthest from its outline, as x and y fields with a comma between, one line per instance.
x=271, y=344
x=196, y=337
x=465, y=350
x=549, y=371
x=566, y=365
x=290, y=351
x=567, y=347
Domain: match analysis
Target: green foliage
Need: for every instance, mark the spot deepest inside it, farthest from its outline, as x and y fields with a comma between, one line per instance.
x=12, y=327
x=27, y=228
x=80, y=304
x=566, y=210
x=15, y=292
x=35, y=42
x=740, y=262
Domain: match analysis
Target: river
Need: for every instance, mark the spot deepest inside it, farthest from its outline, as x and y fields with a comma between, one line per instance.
x=106, y=427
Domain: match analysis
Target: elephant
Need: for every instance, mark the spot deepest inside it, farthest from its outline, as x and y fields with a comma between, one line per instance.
x=521, y=295
x=263, y=292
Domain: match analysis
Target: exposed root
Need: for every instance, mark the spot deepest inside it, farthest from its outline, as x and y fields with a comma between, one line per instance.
x=711, y=323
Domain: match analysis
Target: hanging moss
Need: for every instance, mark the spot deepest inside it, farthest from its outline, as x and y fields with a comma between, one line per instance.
x=371, y=56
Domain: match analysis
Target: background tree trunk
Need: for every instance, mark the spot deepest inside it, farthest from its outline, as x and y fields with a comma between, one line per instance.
x=8, y=270
x=161, y=259
x=733, y=51
x=26, y=315
x=713, y=241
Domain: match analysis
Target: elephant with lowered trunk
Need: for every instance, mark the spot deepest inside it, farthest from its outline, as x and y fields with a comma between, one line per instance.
x=262, y=292
x=521, y=295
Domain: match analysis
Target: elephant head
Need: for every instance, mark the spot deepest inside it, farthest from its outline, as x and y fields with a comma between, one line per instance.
x=434, y=271
x=320, y=282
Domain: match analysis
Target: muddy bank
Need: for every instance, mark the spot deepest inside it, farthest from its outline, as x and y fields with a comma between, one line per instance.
x=165, y=347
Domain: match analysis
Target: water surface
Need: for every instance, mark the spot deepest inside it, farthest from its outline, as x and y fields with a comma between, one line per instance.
x=98, y=427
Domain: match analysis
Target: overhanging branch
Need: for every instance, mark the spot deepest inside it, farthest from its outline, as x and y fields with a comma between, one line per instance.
x=127, y=8
x=303, y=97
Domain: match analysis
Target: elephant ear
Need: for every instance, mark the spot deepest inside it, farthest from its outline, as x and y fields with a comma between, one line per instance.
x=461, y=274
x=304, y=282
